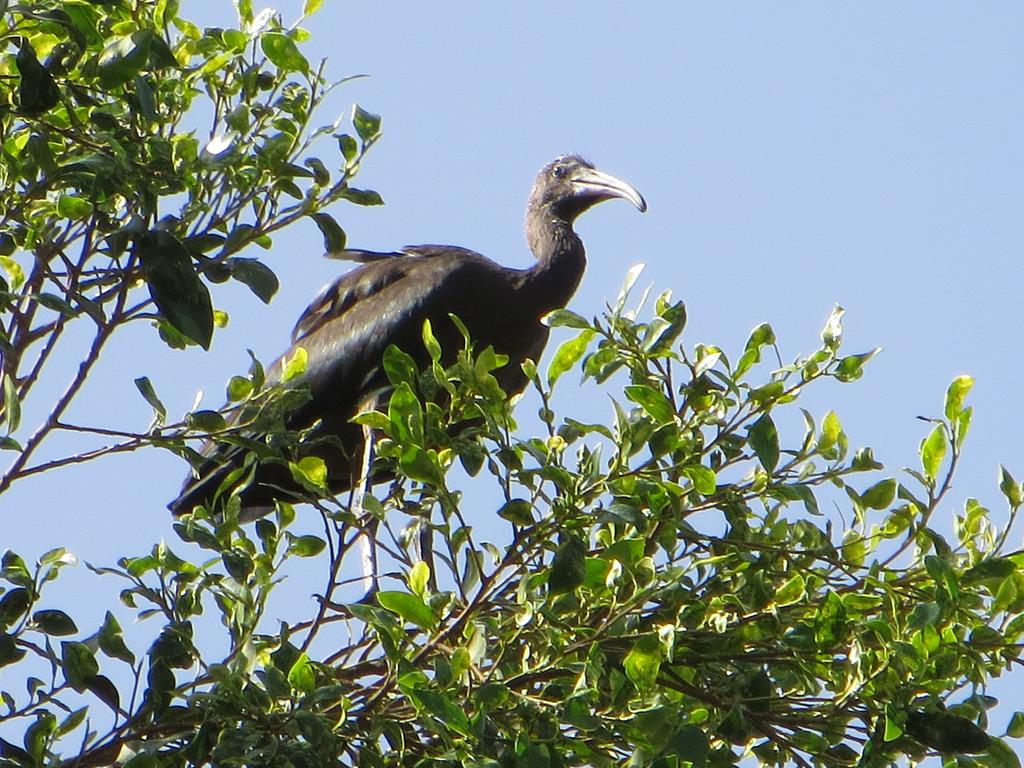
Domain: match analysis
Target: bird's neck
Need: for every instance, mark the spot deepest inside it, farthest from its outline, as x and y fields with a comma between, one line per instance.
x=561, y=259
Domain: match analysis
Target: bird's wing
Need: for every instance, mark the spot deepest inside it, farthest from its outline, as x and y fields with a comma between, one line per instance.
x=347, y=328
x=384, y=268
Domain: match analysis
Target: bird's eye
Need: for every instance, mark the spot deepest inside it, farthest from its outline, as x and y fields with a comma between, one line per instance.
x=558, y=171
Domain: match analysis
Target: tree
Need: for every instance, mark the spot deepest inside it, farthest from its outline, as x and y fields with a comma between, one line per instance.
x=667, y=589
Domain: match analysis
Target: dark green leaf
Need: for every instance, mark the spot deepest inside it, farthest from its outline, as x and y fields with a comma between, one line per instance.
x=54, y=622
x=145, y=387
x=367, y=124
x=258, y=276
x=361, y=196
x=880, y=495
x=690, y=744
x=105, y=691
x=946, y=732
x=568, y=567
x=10, y=653
x=763, y=437
x=334, y=235
x=14, y=605
x=37, y=90
x=445, y=710
x=124, y=58
x=206, y=421
x=517, y=512
x=176, y=289
x=79, y=664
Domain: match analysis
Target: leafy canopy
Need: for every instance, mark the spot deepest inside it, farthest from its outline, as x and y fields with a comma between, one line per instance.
x=714, y=574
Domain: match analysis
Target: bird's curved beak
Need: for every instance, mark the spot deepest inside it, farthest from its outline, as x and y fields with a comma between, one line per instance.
x=592, y=183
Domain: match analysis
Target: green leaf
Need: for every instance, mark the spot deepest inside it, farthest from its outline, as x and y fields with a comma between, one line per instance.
x=175, y=287
x=880, y=495
x=704, y=479
x=690, y=745
x=445, y=710
x=792, y=591
x=924, y=615
x=568, y=567
x=933, y=451
x=361, y=196
x=54, y=622
x=763, y=437
x=74, y=208
x=334, y=235
x=564, y=318
x=990, y=568
x=367, y=124
x=568, y=355
x=206, y=421
x=655, y=403
x=419, y=578
x=124, y=58
x=301, y=674
x=12, y=404
x=306, y=546
x=832, y=333
x=956, y=394
x=10, y=653
x=851, y=368
x=13, y=605
x=946, y=732
x=517, y=512
x=430, y=342
x=239, y=388
x=38, y=735
x=999, y=754
x=309, y=7
x=761, y=335
x=37, y=90
x=260, y=278
x=399, y=367
x=1011, y=488
x=409, y=607
x=283, y=53
x=643, y=662
x=112, y=643
x=1015, y=729
x=145, y=387
x=295, y=366
x=79, y=664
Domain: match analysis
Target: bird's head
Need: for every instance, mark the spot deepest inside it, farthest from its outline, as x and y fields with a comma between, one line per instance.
x=569, y=185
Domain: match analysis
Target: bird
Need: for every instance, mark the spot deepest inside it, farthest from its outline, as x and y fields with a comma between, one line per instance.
x=386, y=299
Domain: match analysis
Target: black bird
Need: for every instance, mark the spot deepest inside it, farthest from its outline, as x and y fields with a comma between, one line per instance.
x=385, y=301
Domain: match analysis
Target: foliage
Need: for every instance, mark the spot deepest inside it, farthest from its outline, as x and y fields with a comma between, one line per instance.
x=666, y=589
x=113, y=207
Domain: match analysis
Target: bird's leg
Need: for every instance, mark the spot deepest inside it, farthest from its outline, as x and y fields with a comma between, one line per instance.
x=368, y=525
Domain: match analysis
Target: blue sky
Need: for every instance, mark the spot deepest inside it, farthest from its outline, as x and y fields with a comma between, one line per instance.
x=794, y=156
